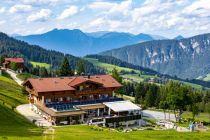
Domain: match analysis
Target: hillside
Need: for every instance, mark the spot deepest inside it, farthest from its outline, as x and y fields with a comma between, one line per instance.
x=78, y=43
x=185, y=58
x=15, y=48
x=12, y=124
x=137, y=73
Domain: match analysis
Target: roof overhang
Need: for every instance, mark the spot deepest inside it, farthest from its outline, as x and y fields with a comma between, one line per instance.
x=122, y=106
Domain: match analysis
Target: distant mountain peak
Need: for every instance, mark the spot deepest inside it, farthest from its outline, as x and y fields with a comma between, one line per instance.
x=179, y=37
x=79, y=43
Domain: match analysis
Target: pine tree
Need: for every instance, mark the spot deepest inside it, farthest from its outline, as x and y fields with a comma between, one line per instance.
x=80, y=67
x=1, y=60
x=43, y=72
x=65, y=69
x=116, y=75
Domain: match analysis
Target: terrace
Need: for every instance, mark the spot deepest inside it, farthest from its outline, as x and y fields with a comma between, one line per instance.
x=72, y=106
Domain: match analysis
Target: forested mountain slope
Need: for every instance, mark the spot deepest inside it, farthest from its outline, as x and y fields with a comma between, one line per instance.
x=14, y=48
x=185, y=58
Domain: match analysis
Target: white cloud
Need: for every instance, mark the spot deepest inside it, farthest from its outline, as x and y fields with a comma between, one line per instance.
x=101, y=5
x=20, y=8
x=199, y=8
x=2, y=9
x=164, y=17
x=113, y=10
x=43, y=2
x=2, y=22
x=42, y=15
x=72, y=10
x=97, y=22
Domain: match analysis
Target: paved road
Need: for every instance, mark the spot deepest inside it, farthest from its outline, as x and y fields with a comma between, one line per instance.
x=31, y=115
x=14, y=77
x=158, y=115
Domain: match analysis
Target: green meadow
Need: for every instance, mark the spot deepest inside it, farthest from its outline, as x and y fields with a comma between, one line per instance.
x=47, y=66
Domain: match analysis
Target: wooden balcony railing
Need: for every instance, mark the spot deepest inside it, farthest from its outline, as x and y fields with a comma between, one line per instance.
x=122, y=118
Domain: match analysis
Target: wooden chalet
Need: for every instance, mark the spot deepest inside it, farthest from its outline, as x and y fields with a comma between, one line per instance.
x=19, y=62
x=78, y=99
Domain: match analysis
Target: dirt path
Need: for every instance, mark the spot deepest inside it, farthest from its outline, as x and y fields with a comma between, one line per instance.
x=14, y=77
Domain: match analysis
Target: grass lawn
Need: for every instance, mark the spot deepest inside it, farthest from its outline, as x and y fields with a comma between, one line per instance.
x=24, y=76
x=47, y=66
x=82, y=132
x=200, y=117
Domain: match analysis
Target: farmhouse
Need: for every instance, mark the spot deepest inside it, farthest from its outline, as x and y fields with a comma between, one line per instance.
x=19, y=62
x=81, y=99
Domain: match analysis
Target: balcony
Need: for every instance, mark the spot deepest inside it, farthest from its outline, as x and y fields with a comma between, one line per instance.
x=68, y=106
x=122, y=118
x=92, y=91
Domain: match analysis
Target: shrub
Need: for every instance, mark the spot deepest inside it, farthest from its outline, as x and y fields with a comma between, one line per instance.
x=149, y=128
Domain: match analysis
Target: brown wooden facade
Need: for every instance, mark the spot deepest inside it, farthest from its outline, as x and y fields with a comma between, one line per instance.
x=86, y=90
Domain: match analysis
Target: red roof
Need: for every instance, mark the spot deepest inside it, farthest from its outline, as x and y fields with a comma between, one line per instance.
x=16, y=60
x=68, y=83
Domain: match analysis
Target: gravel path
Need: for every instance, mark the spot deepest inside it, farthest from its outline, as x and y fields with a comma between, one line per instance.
x=31, y=115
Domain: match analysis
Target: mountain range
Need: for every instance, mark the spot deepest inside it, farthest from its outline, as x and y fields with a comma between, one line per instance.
x=184, y=58
x=11, y=47
x=79, y=43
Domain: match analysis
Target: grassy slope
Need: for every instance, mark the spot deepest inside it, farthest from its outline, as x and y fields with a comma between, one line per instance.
x=11, y=92
x=109, y=68
x=207, y=78
x=24, y=76
x=47, y=66
x=13, y=125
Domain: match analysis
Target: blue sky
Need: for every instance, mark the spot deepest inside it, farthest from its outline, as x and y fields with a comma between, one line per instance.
x=162, y=17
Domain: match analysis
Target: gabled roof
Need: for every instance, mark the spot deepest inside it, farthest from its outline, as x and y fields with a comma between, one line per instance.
x=16, y=60
x=79, y=80
x=69, y=83
x=50, y=84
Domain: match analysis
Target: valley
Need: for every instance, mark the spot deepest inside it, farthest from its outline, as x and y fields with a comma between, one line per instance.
x=133, y=75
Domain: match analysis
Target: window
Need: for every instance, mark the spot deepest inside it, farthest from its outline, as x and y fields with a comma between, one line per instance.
x=91, y=96
x=48, y=100
x=80, y=87
x=61, y=99
x=68, y=98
